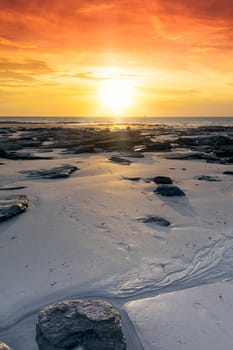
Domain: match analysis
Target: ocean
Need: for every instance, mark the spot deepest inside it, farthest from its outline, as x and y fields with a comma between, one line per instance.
x=171, y=121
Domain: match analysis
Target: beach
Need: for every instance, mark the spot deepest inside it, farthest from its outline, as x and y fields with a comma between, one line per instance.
x=94, y=232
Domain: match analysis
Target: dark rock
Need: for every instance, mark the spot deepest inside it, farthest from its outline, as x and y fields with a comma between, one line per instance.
x=13, y=188
x=154, y=220
x=2, y=153
x=23, y=156
x=165, y=180
x=208, y=178
x=225, y=153
x=92, y=324
x=228, y=172
x=121, y=160
x=59, y=172
x=169, y=191
x=158, y=147
x=135, y=178
x=186, y=141
x=133, y=154
x=187, y=155
x=228, y=161
x=82, y=149
x=12, y=205
x=4, y=346
x=222, y=140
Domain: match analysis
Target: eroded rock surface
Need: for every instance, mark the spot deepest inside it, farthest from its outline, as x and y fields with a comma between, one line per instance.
x=62, y=171
x=92, y=324
x=12, y=205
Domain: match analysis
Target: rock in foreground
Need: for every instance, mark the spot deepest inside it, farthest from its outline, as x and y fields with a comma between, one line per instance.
x=92, y=324
x=3, y=346
x=154, y=220
x=169, y=191
x=59, y=172
x=12, y=205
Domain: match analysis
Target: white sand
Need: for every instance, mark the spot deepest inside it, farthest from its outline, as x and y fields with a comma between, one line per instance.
x=80, y=238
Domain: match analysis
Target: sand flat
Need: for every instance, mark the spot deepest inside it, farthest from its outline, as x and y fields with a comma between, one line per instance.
x=80, y=237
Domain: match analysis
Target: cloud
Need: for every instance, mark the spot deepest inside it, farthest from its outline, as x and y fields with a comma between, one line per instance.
x=32, y=66
x=25, y=71
x=9, y=43
x=121, y=25
x=170, y=92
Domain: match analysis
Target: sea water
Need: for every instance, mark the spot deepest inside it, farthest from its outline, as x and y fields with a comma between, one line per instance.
x=171, y=121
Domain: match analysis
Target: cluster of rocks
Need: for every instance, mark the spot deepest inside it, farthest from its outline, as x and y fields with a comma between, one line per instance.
x=215, y=148
x=165, y=187
x=205, y=142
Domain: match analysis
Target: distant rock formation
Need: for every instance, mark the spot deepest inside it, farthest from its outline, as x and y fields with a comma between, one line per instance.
x=92, y=324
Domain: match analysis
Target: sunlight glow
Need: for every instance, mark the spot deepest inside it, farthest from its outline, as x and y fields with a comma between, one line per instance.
x=116, y=95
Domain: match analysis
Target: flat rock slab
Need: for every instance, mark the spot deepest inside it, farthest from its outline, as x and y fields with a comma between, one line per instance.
x=132, y=154
x=165, y=180
x=120, y=160
x=132, y=178
x=208, y=178
x=12, y=188
x=4, y=346
x=169, y=191
x=151, y=219
x=23, y=156
x=59, y=172
x=92, y=324
x=12, y=205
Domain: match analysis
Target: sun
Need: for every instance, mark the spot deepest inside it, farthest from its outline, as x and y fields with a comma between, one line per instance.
x=116, y=95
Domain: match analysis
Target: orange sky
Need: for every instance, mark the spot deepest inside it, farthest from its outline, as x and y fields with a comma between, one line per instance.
x=177, y=56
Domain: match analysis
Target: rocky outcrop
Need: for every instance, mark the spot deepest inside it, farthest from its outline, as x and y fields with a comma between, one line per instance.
x=62, y=171
x=4, y=346
x=92, y=324
x=12, y=205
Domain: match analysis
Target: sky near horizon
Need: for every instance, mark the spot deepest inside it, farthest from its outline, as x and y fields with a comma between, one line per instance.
x=77, y=57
